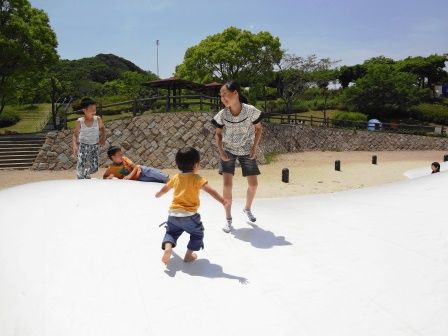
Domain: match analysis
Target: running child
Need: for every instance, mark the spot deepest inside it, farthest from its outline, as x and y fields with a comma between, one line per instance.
x=183, y=215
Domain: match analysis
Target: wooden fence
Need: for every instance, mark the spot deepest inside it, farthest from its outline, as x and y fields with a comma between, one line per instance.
x=138, y=106
x=169, y=103
x=297, y=119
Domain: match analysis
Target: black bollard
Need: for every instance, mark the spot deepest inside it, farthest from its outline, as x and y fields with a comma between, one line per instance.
x=445, y=158
x=374, y=159
x=337, y=165
x=285, y=175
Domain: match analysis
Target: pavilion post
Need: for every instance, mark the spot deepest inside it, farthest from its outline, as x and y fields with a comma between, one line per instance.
x=174, y=97
x=170, y=101
x=167, y=105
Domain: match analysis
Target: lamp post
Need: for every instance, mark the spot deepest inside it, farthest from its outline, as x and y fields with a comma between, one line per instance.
x=157, y=47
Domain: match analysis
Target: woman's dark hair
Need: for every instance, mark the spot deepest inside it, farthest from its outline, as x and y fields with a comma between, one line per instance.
x=112, y=151
x=233, y=86
x=86, y=102
x=186, y=158
x=437, y=165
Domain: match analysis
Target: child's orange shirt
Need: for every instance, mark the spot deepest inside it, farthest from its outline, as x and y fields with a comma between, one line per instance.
x=123, y=169
x=186, y=187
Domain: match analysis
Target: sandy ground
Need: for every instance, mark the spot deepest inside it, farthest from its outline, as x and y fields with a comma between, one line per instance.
x=310, y=172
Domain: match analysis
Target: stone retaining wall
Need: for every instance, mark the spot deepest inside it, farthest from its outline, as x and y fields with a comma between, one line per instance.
x=154, y=140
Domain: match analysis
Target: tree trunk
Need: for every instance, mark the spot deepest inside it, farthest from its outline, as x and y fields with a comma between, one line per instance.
x=53, y=113
x=53, y=103
x=2, y=104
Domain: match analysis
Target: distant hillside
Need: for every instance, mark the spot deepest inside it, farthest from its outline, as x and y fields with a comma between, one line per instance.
x=118, y=62
x=100, y=68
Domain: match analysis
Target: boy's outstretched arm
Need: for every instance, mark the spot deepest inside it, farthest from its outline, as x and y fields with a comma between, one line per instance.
x=163, y=191
x=216, y=195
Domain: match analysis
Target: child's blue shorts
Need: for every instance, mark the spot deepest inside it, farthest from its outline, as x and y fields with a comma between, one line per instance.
x=175, y=226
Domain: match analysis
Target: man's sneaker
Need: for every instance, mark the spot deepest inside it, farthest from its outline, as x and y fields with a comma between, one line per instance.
x=250, y=215
x=228, y=227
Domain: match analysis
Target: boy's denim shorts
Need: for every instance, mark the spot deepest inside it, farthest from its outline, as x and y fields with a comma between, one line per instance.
x=248, y=166
x=175, y=226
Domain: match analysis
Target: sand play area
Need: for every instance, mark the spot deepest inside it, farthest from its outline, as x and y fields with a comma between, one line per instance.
x=310, y=172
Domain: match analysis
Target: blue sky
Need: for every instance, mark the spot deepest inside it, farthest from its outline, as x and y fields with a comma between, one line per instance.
x=350, y=31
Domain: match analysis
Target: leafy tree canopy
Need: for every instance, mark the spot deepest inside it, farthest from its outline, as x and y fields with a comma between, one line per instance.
x=27, y=44
x=233, y=54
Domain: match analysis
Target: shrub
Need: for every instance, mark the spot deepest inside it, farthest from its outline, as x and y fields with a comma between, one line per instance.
x=300, y=107
x=161, y=108
x=436, y=113
x=384, y=91
x=9, y=119
x=350, y=119
x=279, y=106
x=115, y=111
x=275, y=106
x=445, y=101
x=329, y=105
x=342, y=107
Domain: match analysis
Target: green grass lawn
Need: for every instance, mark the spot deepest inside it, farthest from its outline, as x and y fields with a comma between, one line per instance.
x=320, y=114
x=32, y=118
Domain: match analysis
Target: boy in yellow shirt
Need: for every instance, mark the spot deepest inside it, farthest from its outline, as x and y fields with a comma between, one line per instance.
x=183, y=215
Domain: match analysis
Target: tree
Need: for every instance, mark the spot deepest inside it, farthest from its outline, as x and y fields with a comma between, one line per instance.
x=378, y=60
x=29, y=88
x=429, y=70
x=89, y=75
x=383, y=91
x=233, y=54
x=27, y=43
x=322, y=78
x=298, y=73
x=349, y=74
x=132, y=84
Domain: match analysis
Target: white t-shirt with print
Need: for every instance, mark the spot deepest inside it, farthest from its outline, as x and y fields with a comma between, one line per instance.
x=238, y=131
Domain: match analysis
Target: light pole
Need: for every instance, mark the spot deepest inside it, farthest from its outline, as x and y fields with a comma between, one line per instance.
x=157, y=46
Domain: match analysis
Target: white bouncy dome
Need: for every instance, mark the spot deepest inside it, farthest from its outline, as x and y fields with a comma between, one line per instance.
x=83, y=258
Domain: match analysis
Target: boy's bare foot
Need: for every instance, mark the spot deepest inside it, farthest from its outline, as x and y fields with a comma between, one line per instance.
x=189, y=257
x=167, y=254
x=166, y=257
